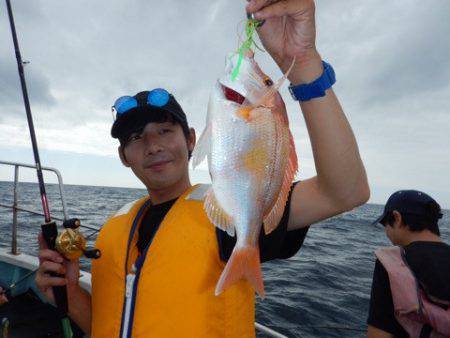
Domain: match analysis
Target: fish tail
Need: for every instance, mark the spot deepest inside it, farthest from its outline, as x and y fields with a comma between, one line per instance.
x=243, y=263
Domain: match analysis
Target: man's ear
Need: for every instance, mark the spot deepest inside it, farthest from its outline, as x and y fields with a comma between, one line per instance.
x=122, y=157
x=191, y=140
x=398, y=222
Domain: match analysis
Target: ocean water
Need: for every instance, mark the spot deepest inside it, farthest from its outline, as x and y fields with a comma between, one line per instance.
x=323, y=291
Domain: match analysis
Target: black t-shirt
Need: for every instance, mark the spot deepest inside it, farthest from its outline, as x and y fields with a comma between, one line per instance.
x=280, y=243
x=430, y=262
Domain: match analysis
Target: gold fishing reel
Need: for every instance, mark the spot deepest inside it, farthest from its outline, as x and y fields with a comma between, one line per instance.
x=72, y=244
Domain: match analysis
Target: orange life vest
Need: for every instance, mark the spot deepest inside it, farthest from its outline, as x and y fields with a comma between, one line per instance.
x=412, y=307
x=170, y=293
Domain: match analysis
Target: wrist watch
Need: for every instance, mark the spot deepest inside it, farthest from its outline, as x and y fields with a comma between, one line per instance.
x=317, y=88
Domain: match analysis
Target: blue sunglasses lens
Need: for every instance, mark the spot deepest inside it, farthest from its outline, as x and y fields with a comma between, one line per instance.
x=158, y=97
x=124, y=104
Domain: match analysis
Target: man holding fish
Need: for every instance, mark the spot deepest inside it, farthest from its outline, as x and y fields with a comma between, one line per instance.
x=171, y=265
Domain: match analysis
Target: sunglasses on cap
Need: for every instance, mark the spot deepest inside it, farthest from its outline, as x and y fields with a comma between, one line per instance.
x=157, y=97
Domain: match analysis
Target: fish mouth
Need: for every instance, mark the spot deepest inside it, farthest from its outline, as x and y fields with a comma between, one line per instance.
x=232, y=95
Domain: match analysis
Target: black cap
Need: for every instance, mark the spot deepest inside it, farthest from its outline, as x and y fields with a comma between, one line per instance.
x=411, y=202
x=144, y=113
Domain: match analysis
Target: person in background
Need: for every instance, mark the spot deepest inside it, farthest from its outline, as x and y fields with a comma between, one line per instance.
x=411, y=283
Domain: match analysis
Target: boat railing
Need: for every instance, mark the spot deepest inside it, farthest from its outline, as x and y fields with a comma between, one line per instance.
x=16, y=208
x=269, y=332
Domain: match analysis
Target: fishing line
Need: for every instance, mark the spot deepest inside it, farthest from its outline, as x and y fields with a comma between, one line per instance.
x=240, y=32
x=240, y=28
x=8, y=289
x=94, y=232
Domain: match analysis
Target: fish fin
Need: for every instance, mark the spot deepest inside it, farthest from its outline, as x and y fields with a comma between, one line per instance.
x=272, y=219
x=202, y=147
x=280, y=82
x=217, y=215
x=243, y=263
x=270, y=91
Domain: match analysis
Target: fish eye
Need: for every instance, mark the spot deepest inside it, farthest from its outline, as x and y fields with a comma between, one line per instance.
x=268, y=81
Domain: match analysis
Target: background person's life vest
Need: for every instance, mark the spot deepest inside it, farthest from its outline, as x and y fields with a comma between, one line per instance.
x=412, y=307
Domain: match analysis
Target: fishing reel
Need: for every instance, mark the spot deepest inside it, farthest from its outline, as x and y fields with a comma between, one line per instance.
x=70, y=243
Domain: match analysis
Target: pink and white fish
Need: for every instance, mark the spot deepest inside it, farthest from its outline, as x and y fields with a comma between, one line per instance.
x=252, y=163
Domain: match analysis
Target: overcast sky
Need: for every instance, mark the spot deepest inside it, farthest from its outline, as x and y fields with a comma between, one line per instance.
x=391, y=59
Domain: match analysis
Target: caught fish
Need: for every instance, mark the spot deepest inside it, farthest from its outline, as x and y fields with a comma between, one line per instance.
x=252, y=162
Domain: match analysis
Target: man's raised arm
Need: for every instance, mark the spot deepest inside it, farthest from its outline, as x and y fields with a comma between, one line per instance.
x=341, y=183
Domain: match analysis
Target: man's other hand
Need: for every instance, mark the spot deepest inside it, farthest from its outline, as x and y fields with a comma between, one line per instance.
x=52, y=261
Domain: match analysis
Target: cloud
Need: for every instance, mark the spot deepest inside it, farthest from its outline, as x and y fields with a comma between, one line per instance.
x=415, y=58
x=390, y=60
x=26, y=15
x=11, y=98
x=388, y=51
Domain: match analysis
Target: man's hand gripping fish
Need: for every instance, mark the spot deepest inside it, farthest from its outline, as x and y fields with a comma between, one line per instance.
x=252, y=163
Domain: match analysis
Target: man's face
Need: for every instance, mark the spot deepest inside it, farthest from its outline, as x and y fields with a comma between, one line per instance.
x=158, y=155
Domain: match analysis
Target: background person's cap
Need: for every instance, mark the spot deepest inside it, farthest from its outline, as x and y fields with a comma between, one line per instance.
x=410, y=202
x=139, y=116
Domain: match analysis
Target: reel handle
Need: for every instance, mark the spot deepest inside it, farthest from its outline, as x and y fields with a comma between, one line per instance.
x=72, y=223
x=92, y=253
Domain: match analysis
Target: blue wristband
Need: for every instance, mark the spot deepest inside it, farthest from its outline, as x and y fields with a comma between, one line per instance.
x=317, y=88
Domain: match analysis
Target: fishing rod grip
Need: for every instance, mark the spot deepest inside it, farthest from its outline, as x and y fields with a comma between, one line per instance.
x=50, y=233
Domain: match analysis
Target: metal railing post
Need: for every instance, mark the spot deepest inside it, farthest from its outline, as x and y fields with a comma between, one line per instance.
x=14, y=224
x=61, y=192
x=16, y=208
x=268, y=331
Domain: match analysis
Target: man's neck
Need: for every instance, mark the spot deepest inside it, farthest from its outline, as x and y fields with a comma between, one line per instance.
x=422, y=236
x=159, y=196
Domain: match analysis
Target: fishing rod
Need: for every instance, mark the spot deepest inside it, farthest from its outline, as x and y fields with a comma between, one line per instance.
x=49, y=227
x=70, y=243
x=29, y=116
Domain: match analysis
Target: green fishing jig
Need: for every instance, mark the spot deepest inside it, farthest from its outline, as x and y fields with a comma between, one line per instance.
x=250, y=28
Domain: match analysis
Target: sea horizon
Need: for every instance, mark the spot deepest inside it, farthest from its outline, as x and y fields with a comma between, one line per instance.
x=143, y=188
